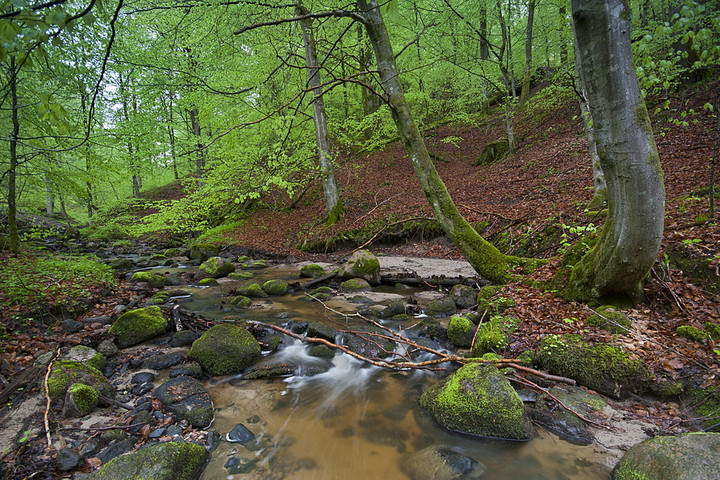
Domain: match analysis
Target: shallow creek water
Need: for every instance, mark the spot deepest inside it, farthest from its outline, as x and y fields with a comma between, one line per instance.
x=354, y=421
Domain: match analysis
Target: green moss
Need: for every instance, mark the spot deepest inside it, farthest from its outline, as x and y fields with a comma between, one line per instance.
x=225, y=349
x=335, y=214
x=354, y=285
x=256, y=265
x=713, y=329
x=207, y=282
x=239, y=275
x=276, y=287
x=138, y=325
x=312, y=271
x=692, y=333
x=478, y=399
x=601, y=367
x=153, y=279
x=68, y=372
x=176, y=460
x=611, y=320
x=460, y=331
x=241, y=301
x=494, y=335
x=706, y=405
x=252, y=290
x=86, y=398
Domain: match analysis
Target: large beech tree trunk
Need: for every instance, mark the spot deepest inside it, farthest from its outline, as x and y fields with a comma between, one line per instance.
x=482, y=255
x=332, y=198
x=630, y=239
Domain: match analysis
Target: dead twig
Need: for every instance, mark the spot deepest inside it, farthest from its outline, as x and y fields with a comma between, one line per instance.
x=48, y=436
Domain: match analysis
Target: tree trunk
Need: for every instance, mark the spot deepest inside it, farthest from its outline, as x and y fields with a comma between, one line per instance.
x=599, y=184
x=49, y=197
x=630, y=239
x=332, y=198
x=563, y=41
x=507, y=79
x=483, y=256
x=525, y=92
x=14, y=239
x=200, y=154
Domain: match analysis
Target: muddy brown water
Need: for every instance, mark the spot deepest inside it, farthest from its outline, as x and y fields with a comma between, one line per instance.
x=354, y=421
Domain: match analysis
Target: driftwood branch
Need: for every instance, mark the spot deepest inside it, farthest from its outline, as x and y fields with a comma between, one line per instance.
x=47, y=398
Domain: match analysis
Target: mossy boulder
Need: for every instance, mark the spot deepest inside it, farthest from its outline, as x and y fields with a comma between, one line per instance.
x=121, y=264
x=693, y=334
x=693, y=456
x=88, y=356
x=478, y=400
x=207, y=282
x=68, y=372
x=160, y=298
x=239, y=275
x=241, y=301
x=602, y=367
x=396, y=307
x=80, y=400
x=153, y=279
x=321, y=330
x=216, y=267
x=442, y=307
x=607, y=318
x=173, y=252
x=495, y=334
x=255, y=265
x=365, y=342
x=138, y=325
x=492, y=152
x=276, y=287
x=202, y=251
x=271, y=370
x=225, y=349
x=355, y=285
x=463, y=296
x=252, y=290
x=361, y=264
x=158, y=461
x=461, y=331
x=312, y=271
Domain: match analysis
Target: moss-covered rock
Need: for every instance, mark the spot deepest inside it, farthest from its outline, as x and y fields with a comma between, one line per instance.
x=602, y=367
x=241, y=301
x=252, y=290
x=88, y=356
x=692, y=333
x=276, y=287
x=207, y=282
x=713, y=329
x=322, y=351
x=430, y=327
x=68, y=372
x=463, y=296
x=202, y=251
x=492, y=152
x=367, y=343
x=494, y=335
x=138, y=325
x=159, y=461
x=362, y=264
x=355, y=285
x=239, y=275
x=321, y=330
x=153, y=279
x=396, y=307
x=705, y=405
x=489, y=303
x=255, y=265
x=271, y=370
x=693, y=456
x=186, y=397
x=216, y=267
x=312, y=271
x=442, y=307
x=173, y=252
x=478, y=400
x=607, y=318
x=461, y=331
x=80, y=400
x=225, y=349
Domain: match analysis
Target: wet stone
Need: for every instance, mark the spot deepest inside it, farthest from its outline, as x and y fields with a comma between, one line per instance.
x=143, y=388
x=238, y=465
x=142, y=377
x=68, y=459
x=191, y=369
x=72, y=326
x=163, y=361
x=240, y=434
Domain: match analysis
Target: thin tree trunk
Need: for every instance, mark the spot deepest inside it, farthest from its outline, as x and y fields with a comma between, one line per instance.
x=525, y=93
x=14, y=239
x=200, y=153
x=507, y=79
x=49, y=197
x=563, y=41
x=483, y=256
x=332, y=198
x=630, y=239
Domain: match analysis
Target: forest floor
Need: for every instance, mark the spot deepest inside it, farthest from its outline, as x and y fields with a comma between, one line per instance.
x=532, y=203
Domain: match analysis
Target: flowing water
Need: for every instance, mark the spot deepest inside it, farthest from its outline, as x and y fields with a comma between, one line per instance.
x=354, y=421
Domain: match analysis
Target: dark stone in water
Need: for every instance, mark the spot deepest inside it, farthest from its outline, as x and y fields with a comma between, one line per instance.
x=272, y=370
x=240, y=434
x=183, y=338
x=253, y=419
x=163, y=361
x=191, y=369
x=440, y=462
x=299, y=327
x=188, y=398
x=142, y=377
x=238, y=465
x=213, y=441
x=68, y=459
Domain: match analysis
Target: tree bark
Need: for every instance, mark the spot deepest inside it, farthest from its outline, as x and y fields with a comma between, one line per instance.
x=14, y=237
x=332, y=197
x=630, y=239
x=525, y=92
x=483, y=256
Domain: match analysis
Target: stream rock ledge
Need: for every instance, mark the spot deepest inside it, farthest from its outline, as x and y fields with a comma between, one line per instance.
x=478, y=400
x=694, y=456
